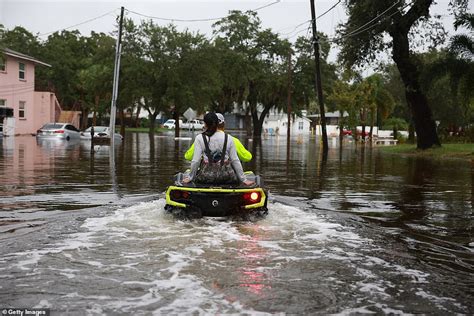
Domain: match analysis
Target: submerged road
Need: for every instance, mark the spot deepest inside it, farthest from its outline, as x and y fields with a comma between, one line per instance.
x=358, y=233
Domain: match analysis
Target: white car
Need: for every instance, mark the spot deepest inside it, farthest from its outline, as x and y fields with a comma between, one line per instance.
x=171, y=124
x=59, y=131
x=99, y=132
x=193, y=124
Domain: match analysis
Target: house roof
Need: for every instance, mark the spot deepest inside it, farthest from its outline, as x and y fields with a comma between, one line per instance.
x=10, y=52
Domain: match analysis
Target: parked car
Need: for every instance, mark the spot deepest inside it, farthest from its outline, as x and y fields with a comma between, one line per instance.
x=99, y=132
x=193, y=124
x=365, y=134
x=58, y=130
x=171, y=124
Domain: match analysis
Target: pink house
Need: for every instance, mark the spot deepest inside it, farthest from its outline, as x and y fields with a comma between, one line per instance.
x=31, y=109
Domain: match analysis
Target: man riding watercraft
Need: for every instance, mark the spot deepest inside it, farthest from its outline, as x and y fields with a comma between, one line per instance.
x=215, y=158
x=242, y=152
x=216, y=185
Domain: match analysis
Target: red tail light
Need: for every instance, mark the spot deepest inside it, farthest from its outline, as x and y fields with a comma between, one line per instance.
x=178, y=194
x=252, y=197
x=59, y=131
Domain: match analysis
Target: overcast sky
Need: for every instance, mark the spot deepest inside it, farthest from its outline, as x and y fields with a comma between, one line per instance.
x=43, y=17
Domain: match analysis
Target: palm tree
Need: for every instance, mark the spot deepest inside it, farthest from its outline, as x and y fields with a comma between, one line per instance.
x=463, y=44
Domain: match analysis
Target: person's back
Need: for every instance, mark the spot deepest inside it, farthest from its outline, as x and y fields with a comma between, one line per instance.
x=215, y=158
x=243, y=154
x=218, y=163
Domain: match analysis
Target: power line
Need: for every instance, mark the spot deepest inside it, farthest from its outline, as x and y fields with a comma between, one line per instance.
x=300, y=31
x=307, y=21
x=87, y=21
x=378, y=16
x=265, y=6
x=294, y=28
x=328, y=10
x=195, y=20
x=357, y=32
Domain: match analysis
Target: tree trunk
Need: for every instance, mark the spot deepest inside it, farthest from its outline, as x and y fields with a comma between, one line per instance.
x=96, y=107
x=248, y=121
x=372, y=122
x=176, y=123
x=152, y=118
x=122, y=122
x=258, y=121
x=341, y=127
x=411, y=133
x=425, y=127
x=137, y=119
x=84, y=121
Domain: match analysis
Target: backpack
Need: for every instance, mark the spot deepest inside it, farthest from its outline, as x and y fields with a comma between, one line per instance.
x=217, y=170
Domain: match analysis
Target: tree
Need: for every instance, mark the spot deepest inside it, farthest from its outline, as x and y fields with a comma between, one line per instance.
x=269, y=89
x=304, y=79
x=260, y=65
x=362, y=40
x=177, y=70
x=343, y=99
x=238, y=32
x=96, y=76
x=20, y=40
x=379, y=99
x=462, y=45
x=66, y=52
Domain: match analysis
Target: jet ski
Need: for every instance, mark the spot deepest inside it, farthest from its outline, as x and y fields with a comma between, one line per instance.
x=193, y=200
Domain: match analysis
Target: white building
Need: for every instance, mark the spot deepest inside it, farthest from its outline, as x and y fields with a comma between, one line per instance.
x=276, y=123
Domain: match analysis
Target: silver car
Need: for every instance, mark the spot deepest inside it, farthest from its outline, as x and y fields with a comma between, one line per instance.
x=99, y=132
x=58, y=130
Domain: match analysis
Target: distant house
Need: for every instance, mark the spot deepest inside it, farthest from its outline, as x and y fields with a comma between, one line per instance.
x=31, y=109
x=276, y=123
x=332, y=122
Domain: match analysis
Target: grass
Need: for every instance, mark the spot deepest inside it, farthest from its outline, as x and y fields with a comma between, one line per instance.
x=446, y=151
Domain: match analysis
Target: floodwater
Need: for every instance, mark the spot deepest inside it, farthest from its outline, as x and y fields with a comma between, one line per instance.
x=360, y=232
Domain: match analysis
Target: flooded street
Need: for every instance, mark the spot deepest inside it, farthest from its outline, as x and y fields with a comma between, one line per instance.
x=363, y=232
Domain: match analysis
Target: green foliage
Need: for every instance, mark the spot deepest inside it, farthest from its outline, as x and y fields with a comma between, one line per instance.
x=67, y=53
x=396, y=123
x=448, y=81
x=463, y=44
x=20, y=40
x=261, y=60
x=304, y=80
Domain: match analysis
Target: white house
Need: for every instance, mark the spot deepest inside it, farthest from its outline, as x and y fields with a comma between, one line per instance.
x=276, y=123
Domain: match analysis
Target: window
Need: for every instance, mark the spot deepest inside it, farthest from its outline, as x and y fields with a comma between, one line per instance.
x=3, y=103
x=22, y=110
x=71, y=128
x=21, y=73
x=300, y=126
x=3, y=66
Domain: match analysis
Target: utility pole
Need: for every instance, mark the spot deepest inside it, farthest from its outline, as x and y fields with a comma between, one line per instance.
x=288, y=107
x=113, y=106
x=319, y=88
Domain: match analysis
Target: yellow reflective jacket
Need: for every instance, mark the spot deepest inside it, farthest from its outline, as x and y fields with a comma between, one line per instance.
x=242, y=152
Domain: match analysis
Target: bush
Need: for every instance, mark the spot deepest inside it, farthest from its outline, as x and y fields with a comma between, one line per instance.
x=144, y=122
